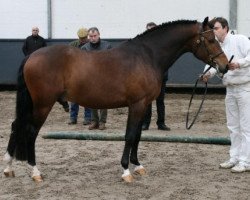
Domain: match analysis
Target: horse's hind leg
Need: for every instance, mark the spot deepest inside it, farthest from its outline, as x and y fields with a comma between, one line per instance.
x=39, y=117
x=32, y=129
x=8, y=157
x=8, y=171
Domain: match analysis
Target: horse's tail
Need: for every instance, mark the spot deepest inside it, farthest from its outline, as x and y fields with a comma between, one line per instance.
x=23, y=127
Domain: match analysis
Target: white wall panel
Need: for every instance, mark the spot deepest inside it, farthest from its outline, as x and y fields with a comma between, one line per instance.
x=114, y=18
x=17, y=17
x=127, y=18
x=243, y=24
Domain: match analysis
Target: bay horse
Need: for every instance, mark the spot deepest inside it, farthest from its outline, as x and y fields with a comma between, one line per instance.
x=129, y=75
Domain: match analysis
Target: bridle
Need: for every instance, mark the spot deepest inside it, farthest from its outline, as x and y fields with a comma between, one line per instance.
x=201, y=43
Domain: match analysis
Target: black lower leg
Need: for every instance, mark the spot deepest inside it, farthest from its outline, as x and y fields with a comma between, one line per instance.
x=31, y=151
x=133, y=156
x=125, y=156
x=31, y=154
x=12, y=142
x=134, y=150
x=31, y=148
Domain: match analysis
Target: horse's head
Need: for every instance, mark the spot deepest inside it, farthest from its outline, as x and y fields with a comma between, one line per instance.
x=208, y=49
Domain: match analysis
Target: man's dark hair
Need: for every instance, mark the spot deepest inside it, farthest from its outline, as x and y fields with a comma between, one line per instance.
x=93, y=29
x=222, y=21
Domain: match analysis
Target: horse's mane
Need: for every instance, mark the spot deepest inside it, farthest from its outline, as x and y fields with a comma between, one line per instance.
x=166, y=26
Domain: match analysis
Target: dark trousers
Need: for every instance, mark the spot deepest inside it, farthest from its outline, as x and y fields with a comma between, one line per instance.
x=96, y=117
x=160, y=108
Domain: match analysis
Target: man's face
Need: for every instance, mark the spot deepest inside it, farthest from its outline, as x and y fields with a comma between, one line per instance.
x=35, y=31
x=219, y=31
x=94, y=36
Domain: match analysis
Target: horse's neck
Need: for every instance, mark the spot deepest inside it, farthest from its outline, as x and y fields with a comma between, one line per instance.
x=176, y=43
x=161, y=48
x=169, y=46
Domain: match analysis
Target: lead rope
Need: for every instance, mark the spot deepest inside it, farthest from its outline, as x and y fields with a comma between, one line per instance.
x=190, y=102
x=203, y=97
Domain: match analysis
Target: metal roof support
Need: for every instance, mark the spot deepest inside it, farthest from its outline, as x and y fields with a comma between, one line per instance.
x=49, y=18
x=233, y=14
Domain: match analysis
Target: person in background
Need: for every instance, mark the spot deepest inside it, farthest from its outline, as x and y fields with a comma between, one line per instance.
x=33, y=42
x=82, y=34
x=159, y=102
x=96, y=44
x=237, y=101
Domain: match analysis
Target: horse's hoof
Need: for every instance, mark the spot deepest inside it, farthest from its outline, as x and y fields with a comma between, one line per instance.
x=140, y=170
x=9, y=174
x=37, y=179
x=128, y=179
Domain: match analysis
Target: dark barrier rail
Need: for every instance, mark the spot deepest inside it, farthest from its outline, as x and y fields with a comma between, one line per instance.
x=183, y=73
x=150, y=138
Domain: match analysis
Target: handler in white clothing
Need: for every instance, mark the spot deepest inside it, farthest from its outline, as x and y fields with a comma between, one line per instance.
x=237, y=81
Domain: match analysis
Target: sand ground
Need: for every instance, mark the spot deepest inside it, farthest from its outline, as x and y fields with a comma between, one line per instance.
x=78, y=169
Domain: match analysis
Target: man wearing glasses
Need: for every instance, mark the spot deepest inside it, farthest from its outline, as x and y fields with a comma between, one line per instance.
x=237, y=82
x=33, y=42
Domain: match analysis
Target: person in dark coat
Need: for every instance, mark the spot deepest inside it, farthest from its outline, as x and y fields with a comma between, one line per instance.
x=159, y=102
x=33, y=42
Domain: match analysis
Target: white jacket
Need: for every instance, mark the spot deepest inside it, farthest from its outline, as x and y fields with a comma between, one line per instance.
x=239, y=46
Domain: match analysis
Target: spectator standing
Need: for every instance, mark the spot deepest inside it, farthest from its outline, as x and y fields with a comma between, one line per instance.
x=98, y=116
x=33, y=42
x=82, y=34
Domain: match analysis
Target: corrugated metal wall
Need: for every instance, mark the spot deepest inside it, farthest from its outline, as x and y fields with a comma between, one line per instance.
x=182, y=74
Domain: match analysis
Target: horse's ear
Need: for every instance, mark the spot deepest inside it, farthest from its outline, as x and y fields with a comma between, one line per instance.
x=205, y=21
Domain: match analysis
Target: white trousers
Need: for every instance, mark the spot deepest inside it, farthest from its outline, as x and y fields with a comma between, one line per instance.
x=238, y=122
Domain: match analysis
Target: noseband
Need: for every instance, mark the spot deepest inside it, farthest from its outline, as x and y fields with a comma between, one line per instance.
x=201, y=41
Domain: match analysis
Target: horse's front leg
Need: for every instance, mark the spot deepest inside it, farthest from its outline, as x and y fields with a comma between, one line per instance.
x=132, y=139
x=139, y=169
